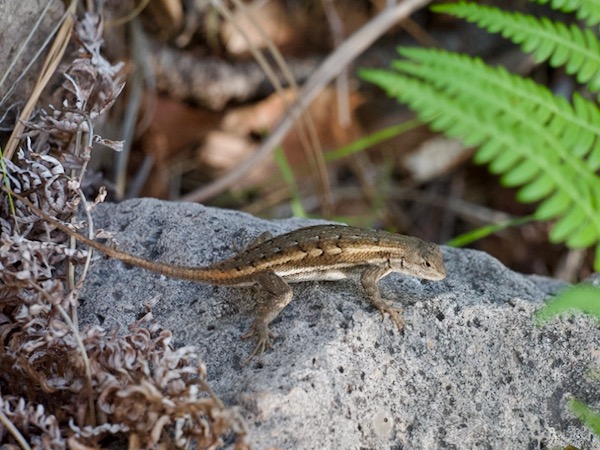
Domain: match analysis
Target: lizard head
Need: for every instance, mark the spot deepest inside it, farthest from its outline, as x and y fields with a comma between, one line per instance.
x=424, y=261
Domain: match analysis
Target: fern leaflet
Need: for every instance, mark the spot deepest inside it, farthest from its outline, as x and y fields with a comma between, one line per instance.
x=578, y=50
x=588, y=10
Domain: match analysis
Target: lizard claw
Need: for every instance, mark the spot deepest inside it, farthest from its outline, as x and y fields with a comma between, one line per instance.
x=263, y=340
x=394, y=313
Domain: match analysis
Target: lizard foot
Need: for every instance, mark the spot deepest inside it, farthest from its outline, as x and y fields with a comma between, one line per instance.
x=395, y=314
x=263, y=337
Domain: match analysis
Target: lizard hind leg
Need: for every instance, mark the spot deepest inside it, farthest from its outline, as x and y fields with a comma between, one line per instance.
x=280, y=295
x=368, y=280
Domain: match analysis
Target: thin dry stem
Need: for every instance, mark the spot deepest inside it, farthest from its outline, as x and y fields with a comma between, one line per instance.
x=14, y=431
x=19, y=54
x=305, y=127
x=328, y=70
x=50, y=64
x=81, y=347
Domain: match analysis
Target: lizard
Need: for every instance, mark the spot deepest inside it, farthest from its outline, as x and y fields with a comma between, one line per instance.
x=314, y=253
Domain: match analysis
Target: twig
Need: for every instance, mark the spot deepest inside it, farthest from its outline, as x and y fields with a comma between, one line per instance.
x=328, y=70
x=305, y=128
x=50, y=64
x=12, y=429
x=18, y=55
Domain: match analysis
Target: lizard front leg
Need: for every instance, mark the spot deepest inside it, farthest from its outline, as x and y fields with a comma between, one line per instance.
x=369, y=279
x=280, y=294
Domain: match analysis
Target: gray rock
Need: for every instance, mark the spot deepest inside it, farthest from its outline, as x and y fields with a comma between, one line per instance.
x=17, y=21
x=470, y=370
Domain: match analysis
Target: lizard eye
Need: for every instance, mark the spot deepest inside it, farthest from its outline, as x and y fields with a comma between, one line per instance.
x=427, y=263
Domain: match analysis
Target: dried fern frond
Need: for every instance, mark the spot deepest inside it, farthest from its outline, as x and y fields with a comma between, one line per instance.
x=60, y=387
x=149, y=394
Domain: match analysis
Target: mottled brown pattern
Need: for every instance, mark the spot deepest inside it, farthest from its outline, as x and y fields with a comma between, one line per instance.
x=321, y=247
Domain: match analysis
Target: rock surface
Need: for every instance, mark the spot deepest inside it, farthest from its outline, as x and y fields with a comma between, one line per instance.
x=17, y=21
x=471, y=370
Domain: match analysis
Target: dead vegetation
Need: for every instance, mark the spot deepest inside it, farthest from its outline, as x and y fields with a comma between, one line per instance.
x=62, y=387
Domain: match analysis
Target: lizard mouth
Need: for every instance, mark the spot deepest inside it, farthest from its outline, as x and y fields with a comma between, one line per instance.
x=433, y=277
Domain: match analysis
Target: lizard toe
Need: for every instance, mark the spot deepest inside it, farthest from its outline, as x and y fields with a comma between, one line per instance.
x=263, y=340
x=395, y=314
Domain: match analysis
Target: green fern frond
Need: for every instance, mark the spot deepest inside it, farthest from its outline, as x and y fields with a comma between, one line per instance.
x=524, y=133
x=578, y=50
x=575, y=127
x=588, y=10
